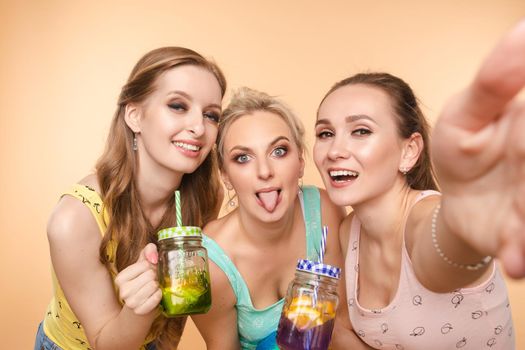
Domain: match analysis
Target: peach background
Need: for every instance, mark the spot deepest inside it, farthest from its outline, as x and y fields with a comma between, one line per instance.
x=62, y=64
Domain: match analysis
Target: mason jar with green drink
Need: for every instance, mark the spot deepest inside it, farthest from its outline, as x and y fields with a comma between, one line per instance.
x=183, y=270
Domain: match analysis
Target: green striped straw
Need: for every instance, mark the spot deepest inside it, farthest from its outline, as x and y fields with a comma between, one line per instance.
x=177, y=208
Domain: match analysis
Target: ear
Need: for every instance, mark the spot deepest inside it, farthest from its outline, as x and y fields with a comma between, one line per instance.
x=132, y=117
x=411, y=149
x=301, y=169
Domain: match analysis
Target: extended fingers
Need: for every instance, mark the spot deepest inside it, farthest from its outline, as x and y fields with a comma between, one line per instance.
x=500, y=78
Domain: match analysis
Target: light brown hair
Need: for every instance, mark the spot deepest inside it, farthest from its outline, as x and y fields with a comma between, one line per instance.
x=128, y=229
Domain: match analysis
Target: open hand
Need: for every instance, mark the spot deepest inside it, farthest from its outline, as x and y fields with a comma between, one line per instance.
x=478, y=150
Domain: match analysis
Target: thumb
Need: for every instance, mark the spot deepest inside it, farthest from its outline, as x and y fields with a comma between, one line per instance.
x=149, y=253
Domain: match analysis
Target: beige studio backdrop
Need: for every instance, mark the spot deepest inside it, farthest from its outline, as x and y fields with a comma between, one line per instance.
x=62, y=64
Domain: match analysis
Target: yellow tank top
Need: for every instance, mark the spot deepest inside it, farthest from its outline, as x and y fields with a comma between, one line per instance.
x=60, y=323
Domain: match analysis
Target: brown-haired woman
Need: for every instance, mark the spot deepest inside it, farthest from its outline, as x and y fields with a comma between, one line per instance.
x=102, y=231
x=419, y=268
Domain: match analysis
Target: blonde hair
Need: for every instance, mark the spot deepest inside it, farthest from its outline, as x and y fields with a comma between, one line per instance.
x=246, y=101
x=128, y=228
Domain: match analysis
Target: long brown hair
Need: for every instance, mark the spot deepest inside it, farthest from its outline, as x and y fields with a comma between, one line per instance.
x=410, y=119
x=128, y=229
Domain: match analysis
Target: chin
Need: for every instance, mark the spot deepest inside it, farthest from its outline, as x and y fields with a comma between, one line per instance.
x=339, y=198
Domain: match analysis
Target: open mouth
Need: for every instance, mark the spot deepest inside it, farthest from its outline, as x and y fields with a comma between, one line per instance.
x=269, y=198
x=187, y=146
x=340, y=176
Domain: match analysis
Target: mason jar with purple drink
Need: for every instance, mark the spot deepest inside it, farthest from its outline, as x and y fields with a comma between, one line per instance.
x=308, y=315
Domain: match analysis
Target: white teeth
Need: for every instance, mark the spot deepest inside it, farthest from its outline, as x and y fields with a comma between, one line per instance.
x=343, y=173
x=187, y=146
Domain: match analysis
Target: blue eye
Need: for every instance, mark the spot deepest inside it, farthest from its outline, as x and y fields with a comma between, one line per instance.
x=280, y=152
x=242, y=158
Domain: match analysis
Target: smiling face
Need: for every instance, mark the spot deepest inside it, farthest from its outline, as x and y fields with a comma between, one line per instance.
x=176, y=126
x=263, y=164
x=357, y=149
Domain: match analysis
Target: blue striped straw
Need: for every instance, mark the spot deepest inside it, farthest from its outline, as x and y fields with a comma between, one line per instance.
x=177, y=208
x=323, y=244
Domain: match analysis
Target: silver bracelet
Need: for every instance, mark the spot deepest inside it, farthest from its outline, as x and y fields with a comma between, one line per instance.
x=471, y=267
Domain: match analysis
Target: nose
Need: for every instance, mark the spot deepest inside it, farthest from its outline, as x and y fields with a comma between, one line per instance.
x=264, y=169
x=338, y=149
x=195, y=123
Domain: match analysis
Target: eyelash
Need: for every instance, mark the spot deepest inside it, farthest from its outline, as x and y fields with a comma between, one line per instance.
x=281, y=148
x=236, y=158
x=362, y=132
x=214, y=117
x=358, y=132
x=177, y=106
x=324, y=134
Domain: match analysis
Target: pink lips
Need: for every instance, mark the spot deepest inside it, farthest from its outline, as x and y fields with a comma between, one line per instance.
x=340, y=184
x=186, y=151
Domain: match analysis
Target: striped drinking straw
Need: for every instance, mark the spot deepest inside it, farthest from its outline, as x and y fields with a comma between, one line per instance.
x=323, y=244
x=322, y=250
x=177, y=208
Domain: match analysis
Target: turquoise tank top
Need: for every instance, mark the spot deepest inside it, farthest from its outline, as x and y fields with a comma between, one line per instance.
x=257, y=327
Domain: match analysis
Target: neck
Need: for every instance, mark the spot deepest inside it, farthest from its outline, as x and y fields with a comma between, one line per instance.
x=155, y=190
x=263, y=233
x=383, y=217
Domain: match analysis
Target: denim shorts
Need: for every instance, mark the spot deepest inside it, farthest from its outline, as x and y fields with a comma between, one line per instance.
x=42, y=341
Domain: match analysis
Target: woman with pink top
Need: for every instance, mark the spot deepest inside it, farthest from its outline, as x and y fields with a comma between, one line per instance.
x=419, y=267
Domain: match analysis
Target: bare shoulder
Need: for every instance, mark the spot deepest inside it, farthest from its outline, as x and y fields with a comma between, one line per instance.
x=72, y=222
x=92, y=181
x=217, y=228
x=417, y=218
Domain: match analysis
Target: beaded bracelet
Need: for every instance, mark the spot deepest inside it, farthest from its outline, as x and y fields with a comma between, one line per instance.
x=471, y=267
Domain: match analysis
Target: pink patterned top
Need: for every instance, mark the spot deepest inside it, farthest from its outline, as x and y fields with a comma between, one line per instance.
x=468, y=318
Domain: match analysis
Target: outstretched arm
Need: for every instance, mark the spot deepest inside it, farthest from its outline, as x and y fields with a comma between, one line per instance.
x=478, y=150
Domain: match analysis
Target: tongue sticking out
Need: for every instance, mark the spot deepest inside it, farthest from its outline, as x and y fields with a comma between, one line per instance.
x=269, y=200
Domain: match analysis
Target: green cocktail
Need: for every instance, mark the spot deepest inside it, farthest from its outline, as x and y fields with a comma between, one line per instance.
x=183, y=272
x=190, y=294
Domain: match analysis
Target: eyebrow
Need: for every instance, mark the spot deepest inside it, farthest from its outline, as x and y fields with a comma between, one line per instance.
x=185, y=95
x=348, y=119
x=247, y=149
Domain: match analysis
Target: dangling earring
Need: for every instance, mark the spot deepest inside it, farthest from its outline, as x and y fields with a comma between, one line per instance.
x=135, y=146
x=300, y=184
x=231, y=201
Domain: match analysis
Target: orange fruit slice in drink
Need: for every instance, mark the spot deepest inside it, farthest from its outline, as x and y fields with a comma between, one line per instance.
x=304, y=317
